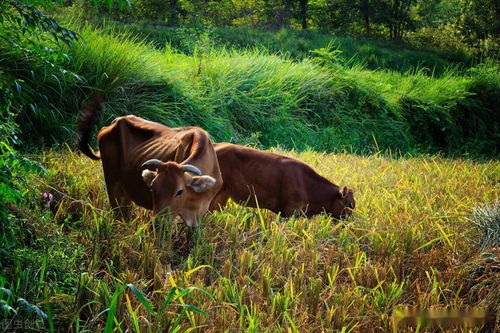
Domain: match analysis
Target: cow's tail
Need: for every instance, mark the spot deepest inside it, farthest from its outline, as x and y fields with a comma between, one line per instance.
x=88, y=116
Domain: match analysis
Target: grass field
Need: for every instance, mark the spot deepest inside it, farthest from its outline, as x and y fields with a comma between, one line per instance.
x=414, y=134
x=416, y=239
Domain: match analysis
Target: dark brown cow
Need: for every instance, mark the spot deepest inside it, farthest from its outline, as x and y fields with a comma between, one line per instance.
x=282, y=184
x=153, y=165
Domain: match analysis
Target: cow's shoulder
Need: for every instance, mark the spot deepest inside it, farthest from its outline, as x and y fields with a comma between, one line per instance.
x=135, y=123
x=191, y=130
x=302, y=168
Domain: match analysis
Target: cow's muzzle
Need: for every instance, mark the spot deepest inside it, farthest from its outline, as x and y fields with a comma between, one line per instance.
x=190, y=221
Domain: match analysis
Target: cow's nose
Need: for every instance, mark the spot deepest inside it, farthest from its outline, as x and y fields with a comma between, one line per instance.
x=346, y=214
x=191, y=223
x=191, y=220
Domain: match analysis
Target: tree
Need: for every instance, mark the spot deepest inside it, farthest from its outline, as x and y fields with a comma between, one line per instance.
x=398, y=17
x=278, y=13
x=480, y=21
x=303, y=13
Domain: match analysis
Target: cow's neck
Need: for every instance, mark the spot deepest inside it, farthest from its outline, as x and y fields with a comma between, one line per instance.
x=321, y=192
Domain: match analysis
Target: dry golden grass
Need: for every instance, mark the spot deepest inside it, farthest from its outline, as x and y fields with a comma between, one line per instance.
x=410, y=242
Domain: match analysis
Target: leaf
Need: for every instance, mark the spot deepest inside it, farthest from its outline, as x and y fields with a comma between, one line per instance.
x=170, y=296
x=18, y=87
x=54, y=25
x=192, y=308
x=7, y=291
x=188, y=289
x=197, y=268
x=79, y=78
x=32, y=308
x=142, y=299
x=6, y=307
x=112, y=309
x=430, y=242
x=294, y=327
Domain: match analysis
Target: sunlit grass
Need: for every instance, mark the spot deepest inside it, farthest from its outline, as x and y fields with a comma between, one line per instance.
x=410, y=242
x=252, y=96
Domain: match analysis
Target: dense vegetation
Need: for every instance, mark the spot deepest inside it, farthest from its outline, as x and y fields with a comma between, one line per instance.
x=452, y=25
x=235, y=94
x=425, y=230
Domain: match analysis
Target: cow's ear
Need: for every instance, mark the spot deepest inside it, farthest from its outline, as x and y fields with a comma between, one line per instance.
x=201, y=183
x=148, y=176
x=343, y=191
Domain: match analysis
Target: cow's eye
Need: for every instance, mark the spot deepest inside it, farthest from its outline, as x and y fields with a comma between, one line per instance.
x=179, y=192
x=351, y=206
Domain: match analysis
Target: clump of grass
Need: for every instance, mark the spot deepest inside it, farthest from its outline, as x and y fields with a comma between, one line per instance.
x=487, y=220
x=248, y=269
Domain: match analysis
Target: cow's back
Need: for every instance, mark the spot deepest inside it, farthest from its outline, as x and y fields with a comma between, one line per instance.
x=249, y=174
x=282, y=184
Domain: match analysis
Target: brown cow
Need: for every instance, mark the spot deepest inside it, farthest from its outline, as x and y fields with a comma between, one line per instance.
x=153, y=165
x=282, y=184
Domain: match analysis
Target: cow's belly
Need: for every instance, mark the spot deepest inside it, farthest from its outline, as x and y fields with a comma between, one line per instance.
x=254, y=195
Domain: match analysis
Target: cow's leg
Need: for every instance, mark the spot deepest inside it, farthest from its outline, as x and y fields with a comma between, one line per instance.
x=287, y=212
x=219, y=201
x=294, y=209
x=119, y=200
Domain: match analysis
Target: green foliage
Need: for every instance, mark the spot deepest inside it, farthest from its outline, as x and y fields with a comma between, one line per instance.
x=479, y=19
x=299, y=44
x=15, y=308
x=13, y=168
x=327, y=56
x=470, y=27
x=19, y=18
x=234, y=94
x=239, y=94
x=18, y=22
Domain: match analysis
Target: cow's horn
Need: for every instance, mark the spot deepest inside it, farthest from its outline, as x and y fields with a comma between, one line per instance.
x=191, y=168
x=151, y=163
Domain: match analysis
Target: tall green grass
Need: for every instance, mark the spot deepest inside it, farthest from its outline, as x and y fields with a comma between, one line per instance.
x=258, y=98
x=298, y=45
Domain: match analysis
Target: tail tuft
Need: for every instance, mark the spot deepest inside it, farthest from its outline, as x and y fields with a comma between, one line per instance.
x=88, y=116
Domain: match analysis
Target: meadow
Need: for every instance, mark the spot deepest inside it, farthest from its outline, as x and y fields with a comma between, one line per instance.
x=419, y=237
x=417, y=141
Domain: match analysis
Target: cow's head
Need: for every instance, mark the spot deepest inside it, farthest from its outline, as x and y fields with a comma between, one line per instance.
x=343, y=203
x=181, y=187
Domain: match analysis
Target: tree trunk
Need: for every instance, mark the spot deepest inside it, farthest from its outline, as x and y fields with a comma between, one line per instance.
x=365, y=9
x=173, y=18
x=303, y=13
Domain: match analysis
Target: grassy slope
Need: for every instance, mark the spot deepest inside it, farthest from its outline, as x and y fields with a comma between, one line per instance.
x=410, y=242
x=264, y=99
x=299, y=44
